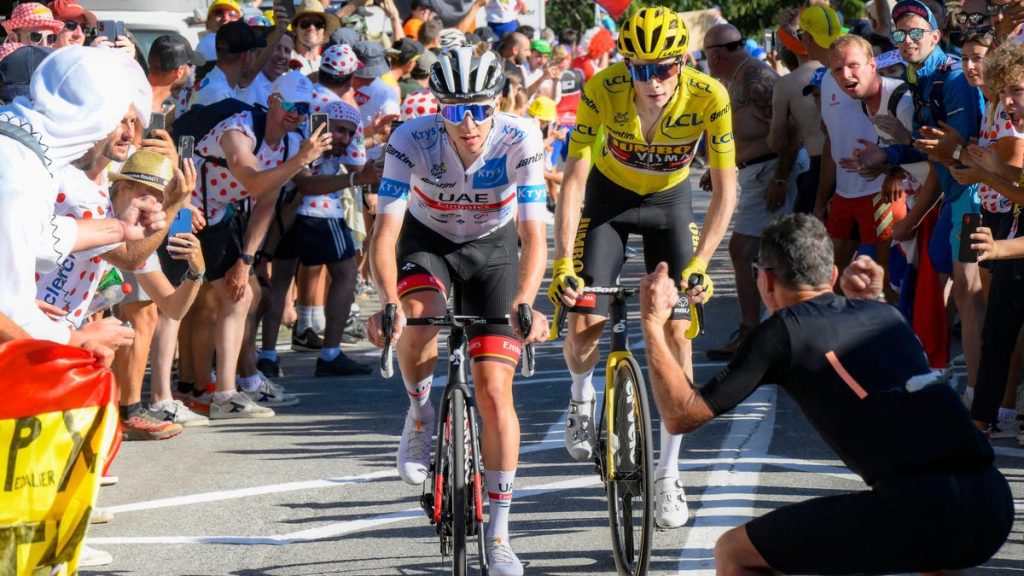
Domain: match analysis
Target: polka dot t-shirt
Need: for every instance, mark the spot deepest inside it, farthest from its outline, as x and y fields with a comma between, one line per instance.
x=326, y=205
x=995, y=124
x=73, y=283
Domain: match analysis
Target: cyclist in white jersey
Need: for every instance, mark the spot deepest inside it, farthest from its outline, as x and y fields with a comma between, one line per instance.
x=458, y=186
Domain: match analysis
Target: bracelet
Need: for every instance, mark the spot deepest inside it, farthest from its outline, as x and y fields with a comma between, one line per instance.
x=195, y=277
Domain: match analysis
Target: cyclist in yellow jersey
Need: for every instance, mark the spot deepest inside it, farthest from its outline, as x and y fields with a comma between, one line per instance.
x=654, y=112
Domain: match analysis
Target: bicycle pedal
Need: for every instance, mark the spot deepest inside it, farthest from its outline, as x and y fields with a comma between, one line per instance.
x=427, y=503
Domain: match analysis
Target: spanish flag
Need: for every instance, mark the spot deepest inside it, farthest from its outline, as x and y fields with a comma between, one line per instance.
x=58, y=424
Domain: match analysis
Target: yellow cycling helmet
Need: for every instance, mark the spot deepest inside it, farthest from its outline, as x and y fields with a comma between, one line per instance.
x=653, y=34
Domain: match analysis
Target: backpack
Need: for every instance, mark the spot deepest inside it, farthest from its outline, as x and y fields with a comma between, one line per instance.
x=26, y=139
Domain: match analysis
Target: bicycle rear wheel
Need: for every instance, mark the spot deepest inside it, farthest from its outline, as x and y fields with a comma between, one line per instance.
x=631, y=484
x=457, y=495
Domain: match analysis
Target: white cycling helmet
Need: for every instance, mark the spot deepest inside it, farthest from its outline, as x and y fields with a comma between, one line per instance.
x=459, y=75
x=452, y=38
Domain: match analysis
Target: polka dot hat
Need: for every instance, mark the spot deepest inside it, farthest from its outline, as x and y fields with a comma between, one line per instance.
x=339, y=60
x=343, y=111
x=417, y=104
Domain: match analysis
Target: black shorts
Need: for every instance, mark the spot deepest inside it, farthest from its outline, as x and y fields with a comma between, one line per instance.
x=222, y=245
x=315, y=241
x=913, y=524
x=487, y=273
x=807, y=188
x=610, y=214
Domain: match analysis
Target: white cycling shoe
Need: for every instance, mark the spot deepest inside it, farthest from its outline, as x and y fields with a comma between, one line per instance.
x=502, y=559
x=670, y=509
x=414, y=450
x=579, y=430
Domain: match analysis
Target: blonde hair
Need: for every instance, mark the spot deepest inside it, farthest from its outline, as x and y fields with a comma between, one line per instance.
x=559, y=53
x=1004, y=65
x=847, y=40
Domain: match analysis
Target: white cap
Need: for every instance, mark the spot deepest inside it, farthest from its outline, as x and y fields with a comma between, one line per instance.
x=293, y=87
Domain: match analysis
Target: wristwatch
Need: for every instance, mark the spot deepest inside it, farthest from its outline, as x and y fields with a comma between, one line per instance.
x=247, y=259
x=195, y=277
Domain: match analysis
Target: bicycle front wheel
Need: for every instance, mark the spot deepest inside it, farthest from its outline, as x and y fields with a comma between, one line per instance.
x=631, y=485
x=457, y=494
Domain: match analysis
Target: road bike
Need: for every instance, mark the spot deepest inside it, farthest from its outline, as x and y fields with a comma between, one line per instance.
x=454, y=504
x=624, y=445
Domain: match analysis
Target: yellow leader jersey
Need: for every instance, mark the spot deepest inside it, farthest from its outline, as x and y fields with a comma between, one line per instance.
x=700, y=104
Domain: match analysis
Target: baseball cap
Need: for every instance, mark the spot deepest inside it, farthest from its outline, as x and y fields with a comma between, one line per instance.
x=423, y=64
x=148, y=168
x=173, y=50
x=916, y=8
x=405, y=50
x=293, y=87
x=372, y=55
x=65, y=10
x=821, y=23
x=541, y=45
x=224, y=4
x=816, y=79
x=339, y=60
x=17, y=68
x=237, y=37
x=790, y=42
x=890, y=58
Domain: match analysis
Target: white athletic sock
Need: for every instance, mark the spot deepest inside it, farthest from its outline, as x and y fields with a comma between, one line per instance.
x=499, y=492
x=1007, y=414
x=419, y=397
x=319, y=320
x=305, y=318
x=968, y=397
x=328, y=354
x=668, y=457
x=161, y=405
x=582, y=385
x=249, y=383
x=268, y=355
x=223, y=396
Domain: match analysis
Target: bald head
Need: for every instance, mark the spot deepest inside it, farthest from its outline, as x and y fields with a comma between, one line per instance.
x=722, y=34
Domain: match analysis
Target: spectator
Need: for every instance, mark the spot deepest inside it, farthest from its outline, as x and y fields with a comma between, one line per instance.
x=320, y=236
x=311, y=28
x=337, y=71
x=78, y=22
x=419, y=75
x=420, y=12
x=404, y=55
x=236, y=54
x=767, y=179
x=219, y=13
x=377, y=102
x=536, y=63
x=502, y=16
x=596, y=46
x=430, y=34
x=258, y=91
x=32, y=24
x=172, y=61
x=514, y=49
x=16, y=70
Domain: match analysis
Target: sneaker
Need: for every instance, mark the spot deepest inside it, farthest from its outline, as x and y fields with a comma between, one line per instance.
x=1003, y=429
x=100, y=516
x=238, y=406
x=354, y=328
x=90, y=557
x=308, y=341
x=579, y=430
x=670, y=510
x=270, y=368
x=414, y=450
x=199, y=404
x=142, y=426
x=502, y=559
x=726, y=351
x=341, y=366
x=175, y=411
x=268, y=395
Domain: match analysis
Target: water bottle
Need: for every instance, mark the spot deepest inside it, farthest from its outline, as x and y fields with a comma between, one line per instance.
x=111, y=290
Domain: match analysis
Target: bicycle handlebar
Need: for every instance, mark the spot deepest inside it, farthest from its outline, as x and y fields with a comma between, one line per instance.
x=563, y=312
x=387, y=369
x=697, y=318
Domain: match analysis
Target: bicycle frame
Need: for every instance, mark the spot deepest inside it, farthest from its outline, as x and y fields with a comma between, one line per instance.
x=619, y=351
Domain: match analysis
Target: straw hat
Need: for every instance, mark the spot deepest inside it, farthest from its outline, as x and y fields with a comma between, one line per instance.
x=148, y=168
x=316, y=8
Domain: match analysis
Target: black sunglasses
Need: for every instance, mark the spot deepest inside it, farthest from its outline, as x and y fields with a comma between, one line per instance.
x=729, y=46
x=984, y=35
x=973, y=18
x=71, y=26
x=305, y=24
x=915, y=34
x=756, y=267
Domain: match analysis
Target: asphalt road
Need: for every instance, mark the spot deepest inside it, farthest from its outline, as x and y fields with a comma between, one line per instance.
x=314, y=490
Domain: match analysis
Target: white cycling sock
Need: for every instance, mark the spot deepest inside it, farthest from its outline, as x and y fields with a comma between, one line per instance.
x=499, y=493
x=249, y=383
x=582, y=385
x=319, y=321
x=419, y=397
x=668, y=457
x=305, y=319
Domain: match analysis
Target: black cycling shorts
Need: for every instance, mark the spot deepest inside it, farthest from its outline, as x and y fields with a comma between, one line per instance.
x=912, y=524
x=487, y=272
x=222, y=245
x=610, y=214
x=315, y=241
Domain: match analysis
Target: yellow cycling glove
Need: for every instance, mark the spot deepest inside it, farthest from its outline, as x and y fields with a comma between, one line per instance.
x=697, y=267
x=561, y=272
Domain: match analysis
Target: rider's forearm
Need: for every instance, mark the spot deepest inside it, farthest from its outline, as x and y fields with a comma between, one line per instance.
x=533, y=257
x=723, y=203
x=680, y=406
x=570, y=199
x=383, y=263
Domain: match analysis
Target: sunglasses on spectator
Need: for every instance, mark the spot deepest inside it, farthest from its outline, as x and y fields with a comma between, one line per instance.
x=972, y=18
x=730, y=46
x=71, y=26
x=224, y=12
x=984, y=34
x=756, y=267
x=300, y=108
x=305, y=24
x=645, y=72
x=915, y=34
x=456, y=113
x=41, y=38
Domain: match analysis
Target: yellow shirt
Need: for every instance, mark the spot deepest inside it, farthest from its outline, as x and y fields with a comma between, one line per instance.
x=699, y=104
